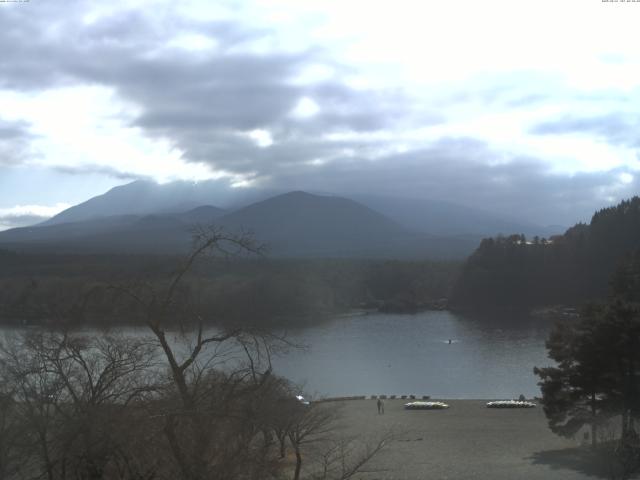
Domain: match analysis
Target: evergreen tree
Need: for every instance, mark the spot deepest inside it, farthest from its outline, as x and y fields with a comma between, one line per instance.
x=598, y=362
x=568, y=269
x=575, y=393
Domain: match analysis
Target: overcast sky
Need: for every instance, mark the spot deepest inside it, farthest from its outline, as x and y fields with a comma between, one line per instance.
x=527, y=108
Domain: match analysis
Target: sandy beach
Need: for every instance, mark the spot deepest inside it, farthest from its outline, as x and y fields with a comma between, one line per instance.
x=467, y=441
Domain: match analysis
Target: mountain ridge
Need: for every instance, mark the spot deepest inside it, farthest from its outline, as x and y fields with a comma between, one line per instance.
x=294, y=224
x=419, y=214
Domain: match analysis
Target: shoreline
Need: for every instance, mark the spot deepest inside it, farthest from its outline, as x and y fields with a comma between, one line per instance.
x=414, y=398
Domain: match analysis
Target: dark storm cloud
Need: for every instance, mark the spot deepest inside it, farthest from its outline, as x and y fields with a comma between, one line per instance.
x=203, y=101
x=14, y=142
x=616, y=129
x=460, y=170
x=199, y=101
x=99, y=169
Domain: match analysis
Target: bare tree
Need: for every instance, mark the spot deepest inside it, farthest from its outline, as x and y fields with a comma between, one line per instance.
x=345, y=457
x=310, y=424
x=71, y=395
x=315, y=433
x=210, y=419
x=10, y=433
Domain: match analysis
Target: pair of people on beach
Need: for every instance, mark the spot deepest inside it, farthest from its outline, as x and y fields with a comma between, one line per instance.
x=380, y=407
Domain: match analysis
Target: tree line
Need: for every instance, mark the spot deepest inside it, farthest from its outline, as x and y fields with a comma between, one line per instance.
x=53, y=289
x=513, y=271
x=595, y=383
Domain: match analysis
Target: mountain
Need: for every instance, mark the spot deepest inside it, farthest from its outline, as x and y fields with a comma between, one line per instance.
x=447, y=219
x=296, y=224
x=204, y=214
x=418, y=214
x=299, y=223
x=149, y=198
x=145, y=215
x=154, y=234
x=49, y=233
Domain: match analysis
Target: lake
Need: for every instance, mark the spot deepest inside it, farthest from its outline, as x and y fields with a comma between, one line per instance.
x=410, y=354
x=393, y=354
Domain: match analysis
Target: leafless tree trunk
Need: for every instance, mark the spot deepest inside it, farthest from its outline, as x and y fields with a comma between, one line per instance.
x=195, y=429
x=71, y=393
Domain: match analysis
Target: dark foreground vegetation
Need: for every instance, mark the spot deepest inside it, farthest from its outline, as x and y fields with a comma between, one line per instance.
x=573, y=268
x=595, y=384
x=181, y=401
x=76, y=289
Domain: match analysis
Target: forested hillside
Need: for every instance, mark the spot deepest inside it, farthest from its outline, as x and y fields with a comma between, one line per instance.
x=36, y=289
x=515, y=271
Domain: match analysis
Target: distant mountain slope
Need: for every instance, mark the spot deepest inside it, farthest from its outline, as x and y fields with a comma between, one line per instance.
x=444, y=218
x=116, y=234
x=145, y=198
x=423, y=215
x=301, y=223
x=45, y=232
x=203, y=214
x=568, y=269
x=134, y=198
x=295, y=224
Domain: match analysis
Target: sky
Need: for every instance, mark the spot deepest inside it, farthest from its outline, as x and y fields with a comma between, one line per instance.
x=523, y=108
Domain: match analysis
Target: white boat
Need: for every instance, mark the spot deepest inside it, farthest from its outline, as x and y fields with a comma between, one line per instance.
x=425, y=406
x=511, y=404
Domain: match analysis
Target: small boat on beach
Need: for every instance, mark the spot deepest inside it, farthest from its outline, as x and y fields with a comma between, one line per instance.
x=511, y=404
x=425, y=406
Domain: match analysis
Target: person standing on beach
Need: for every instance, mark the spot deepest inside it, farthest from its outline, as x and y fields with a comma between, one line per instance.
x=380, y=407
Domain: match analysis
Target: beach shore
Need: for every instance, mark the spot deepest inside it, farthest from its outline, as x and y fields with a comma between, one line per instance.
x=467, y=441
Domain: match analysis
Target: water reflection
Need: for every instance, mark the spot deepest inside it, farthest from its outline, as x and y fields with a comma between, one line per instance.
x=411, y=354
x=491, y=357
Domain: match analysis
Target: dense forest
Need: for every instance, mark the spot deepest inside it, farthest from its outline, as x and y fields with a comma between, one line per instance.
x=514, y=271
x=84, y=288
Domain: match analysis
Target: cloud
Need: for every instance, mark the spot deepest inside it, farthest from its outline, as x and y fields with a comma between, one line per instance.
x=14, y=141
x=25, y=215
x=12, y=130
x=204, y=101
x=465, y=171
x=227, y=96
x=99, y=169
x=615, y=128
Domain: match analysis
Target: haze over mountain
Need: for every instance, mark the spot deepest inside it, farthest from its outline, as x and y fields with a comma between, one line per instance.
x=295, y=224
x=446, y=218
x=145, y=197
x=427, y=216
x=301, y=224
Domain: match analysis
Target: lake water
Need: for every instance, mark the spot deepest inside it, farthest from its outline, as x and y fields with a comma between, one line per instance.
x=410, y=354
x=375, y=354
